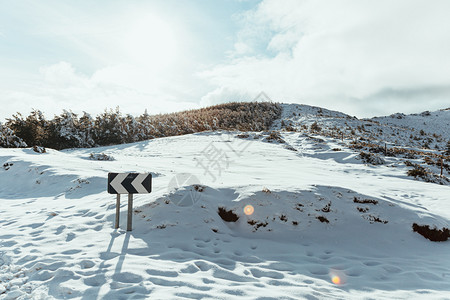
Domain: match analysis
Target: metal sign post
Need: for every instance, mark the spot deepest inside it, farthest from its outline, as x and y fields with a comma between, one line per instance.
x=117, y=211
x=130, y=212
x=128, y=183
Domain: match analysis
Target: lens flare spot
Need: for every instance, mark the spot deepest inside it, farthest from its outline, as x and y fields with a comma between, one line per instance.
x=249, y=210
x=336, y=279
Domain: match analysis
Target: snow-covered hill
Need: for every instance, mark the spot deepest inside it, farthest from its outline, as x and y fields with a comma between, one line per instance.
x=289, y=215
x=436, y=122
x=430, y=130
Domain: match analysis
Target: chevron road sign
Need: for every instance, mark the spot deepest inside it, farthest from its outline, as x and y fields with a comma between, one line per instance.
x=128, y=183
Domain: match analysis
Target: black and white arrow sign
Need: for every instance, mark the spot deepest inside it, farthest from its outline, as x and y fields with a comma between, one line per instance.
x=129, y=183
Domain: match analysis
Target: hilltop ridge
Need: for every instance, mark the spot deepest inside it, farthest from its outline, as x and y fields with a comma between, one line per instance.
x=427, y=130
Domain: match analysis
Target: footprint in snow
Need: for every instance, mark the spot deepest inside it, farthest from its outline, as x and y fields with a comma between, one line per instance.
x=70, y=252
x=127, y=277
x=87, y=264
x=154, y=272
x=96, y=280
x=60, y=229
x=371, y=263
x=70, y=236
x=270, y=274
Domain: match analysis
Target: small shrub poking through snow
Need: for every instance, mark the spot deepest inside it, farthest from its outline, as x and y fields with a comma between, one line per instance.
x=425, y=174
x=7, y=166
x=256, y=225
x=322, y=219
x=370, y=158
x=39, y=149
x=274, y=137
x=365, y=201
x=100, y=156
x=315, y=127
x=363, y=209
x=227, y=215
x=433, y=234
x=266, y=190
x=418, y=171
x=243, y=136
x=327, y=208
x=373, y=219
x=199, y=188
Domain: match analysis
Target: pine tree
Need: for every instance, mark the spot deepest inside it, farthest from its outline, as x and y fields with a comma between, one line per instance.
x=86, y=130
x=131, y=127
x=146, y=128
x=110, y=128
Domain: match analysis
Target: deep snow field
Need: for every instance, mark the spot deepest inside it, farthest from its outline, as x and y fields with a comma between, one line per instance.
x=324, y=224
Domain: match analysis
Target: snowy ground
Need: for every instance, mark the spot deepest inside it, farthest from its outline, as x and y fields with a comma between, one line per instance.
x=311, y=236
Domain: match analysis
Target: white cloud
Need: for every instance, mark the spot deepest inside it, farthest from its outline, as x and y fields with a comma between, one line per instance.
x=225, y=94
x=62, y=74
x=347, y=55
x=62, y=87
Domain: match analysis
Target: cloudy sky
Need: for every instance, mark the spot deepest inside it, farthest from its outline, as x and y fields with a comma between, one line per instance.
x=361, y=57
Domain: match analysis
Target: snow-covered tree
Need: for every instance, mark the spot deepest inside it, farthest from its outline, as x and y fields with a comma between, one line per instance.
x=110, y=128
x=31, y=130
x=63, y=131
x=146, y=128
x=86, y=126
x=132, y=129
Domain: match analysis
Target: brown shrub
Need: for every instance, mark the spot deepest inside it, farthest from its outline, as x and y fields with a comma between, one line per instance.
x=266, y=190
x=275, y=136
x=362, y=209
x=433, y=234
x=199, y=188
x=322, y=219
x=227, y=215
x=365, y=201
x=39, y=149
x=315, y=127
x=418, y=171
x=372, y=219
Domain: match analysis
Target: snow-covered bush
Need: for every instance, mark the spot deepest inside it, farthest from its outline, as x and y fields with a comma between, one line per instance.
x=433, y=234
x=274, y=137
x=370, y=158
x=425, y=174
x=315, y=127
x=100, y=156
x=8, y=139
x=39, y=149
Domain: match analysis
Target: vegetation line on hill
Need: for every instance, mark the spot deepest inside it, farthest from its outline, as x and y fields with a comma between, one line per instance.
x=68, y=130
